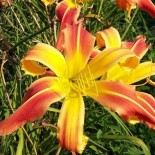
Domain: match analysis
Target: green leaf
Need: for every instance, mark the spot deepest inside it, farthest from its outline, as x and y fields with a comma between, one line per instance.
x=21, y=142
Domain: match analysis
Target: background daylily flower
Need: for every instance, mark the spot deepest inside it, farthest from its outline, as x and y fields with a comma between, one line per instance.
x=128, y=71
x=76, y=77
x=67, y=12
x=145, y=5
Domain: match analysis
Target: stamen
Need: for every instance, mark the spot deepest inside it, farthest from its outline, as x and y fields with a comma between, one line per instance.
x=93, y=81
x=86, y=81
x=149, y=81
x=82, y=83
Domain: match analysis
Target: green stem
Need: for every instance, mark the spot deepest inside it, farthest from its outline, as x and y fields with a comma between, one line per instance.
x=128, y=132
x=20, y=143
x=100, y=7
x=130, y=24
x=99, y=12
x=144, y=22
x=98, y=145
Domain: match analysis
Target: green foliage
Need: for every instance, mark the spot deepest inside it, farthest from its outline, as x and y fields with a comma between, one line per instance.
x=26, y=22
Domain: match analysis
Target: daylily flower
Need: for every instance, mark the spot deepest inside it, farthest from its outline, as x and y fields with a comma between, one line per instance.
x=77, y=77
x=145, y=5
x=129, y=72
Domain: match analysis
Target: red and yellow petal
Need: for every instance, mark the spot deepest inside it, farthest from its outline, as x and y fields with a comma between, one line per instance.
x=147, y=6
x=78, y=46
x=46, y=55
x=71, y=122
x=102, y=62
x=147, y=103
x=132, y=106
x=108, y=38
x=54, y=83
x=31, y=110
x=139, y=47
x=142, y=71
x=67, y=13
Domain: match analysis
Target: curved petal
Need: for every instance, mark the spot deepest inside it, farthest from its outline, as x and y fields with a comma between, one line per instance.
x=139, y=47
x=142, y=71
x=78, y=46
x=67, y=13
x=33, y=68
x=104, y=60
x=132, y=106
x=147, y=6
x=31, y=110
x=71, y=122
x=108, y=38
x=48, y=56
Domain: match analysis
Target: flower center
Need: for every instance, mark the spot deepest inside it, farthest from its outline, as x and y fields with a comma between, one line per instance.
x=79, y=84
x=83, y=82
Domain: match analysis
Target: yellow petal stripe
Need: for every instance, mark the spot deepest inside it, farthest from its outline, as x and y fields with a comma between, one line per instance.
x=78, y=46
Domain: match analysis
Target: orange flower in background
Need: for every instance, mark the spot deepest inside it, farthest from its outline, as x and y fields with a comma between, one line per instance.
x=126, y=5
x=75, y=78
x=145, y=5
